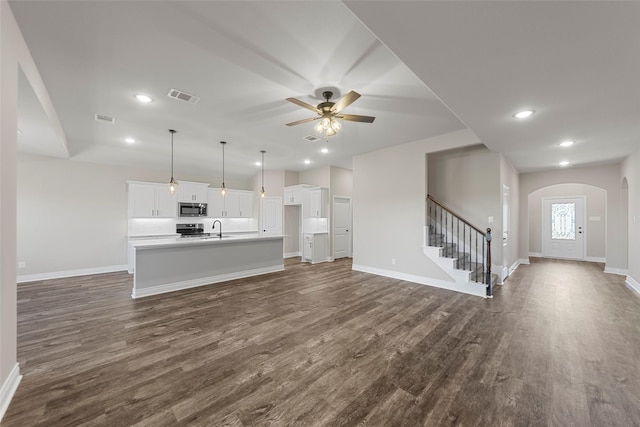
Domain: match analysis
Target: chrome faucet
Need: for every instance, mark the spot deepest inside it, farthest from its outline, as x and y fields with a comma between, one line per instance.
x=214, y=227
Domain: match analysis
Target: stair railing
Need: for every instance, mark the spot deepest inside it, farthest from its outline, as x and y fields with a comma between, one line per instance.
x=458, y=236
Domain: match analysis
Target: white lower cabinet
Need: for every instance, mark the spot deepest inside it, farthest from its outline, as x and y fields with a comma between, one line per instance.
x=314, y=247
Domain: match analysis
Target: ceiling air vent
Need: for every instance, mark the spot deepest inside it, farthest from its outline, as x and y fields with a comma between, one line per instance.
x=104, y=119
x=311, y=138
x=183, y=96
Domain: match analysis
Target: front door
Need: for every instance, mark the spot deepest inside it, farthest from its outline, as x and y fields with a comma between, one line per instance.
x=563, y=229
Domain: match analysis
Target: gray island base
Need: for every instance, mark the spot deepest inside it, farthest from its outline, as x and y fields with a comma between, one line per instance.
x=168, y=266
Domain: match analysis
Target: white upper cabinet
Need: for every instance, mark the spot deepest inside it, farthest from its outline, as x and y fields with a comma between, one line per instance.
x=246, y=204
x=149, y=200
x=294, y=195
x=235, y=204
x=195, y=192
x=319, y=201
x=215, y=206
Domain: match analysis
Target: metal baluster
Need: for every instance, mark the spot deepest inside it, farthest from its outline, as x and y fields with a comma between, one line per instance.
x=458, y=237
x=464, y=244
x=475, y=271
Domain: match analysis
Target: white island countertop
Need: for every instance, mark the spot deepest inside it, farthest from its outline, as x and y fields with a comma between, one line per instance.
x=196, y=241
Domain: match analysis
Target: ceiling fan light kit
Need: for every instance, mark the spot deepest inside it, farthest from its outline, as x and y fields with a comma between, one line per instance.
x=328, y=113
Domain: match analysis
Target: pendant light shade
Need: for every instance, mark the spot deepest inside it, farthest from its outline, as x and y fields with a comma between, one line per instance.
x=223, y=189
x=173, y=184
x=262, y=191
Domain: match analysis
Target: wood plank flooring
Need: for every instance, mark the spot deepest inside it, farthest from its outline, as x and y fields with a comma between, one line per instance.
x=323, y=345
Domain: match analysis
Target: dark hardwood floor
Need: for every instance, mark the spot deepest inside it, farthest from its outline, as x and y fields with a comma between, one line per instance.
x=326, y=346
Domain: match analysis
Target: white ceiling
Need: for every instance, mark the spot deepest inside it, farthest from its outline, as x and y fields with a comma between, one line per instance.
x=468, y=64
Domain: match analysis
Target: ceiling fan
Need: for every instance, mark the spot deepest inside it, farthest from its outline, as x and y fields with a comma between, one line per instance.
x=329, y=111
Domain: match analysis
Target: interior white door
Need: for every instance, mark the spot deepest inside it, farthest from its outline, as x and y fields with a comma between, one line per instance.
x=563, y=229
x=341, y=227
x=271, y=216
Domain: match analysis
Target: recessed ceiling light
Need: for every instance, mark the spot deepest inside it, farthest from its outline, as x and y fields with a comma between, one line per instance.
x=567, y=143
x=324, y=150
x=307, y=161
x=523, y=114
x=129, y=140
x=143, y=98
x=258, y=164
x=564, y=164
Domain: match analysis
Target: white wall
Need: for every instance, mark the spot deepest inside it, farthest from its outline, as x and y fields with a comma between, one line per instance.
x=467, y=180
x=10, y=41
x=73, y=215
x=595, y=207
x=319, y=176
x=15, y=56
x=606, y=177
x=389, y=190
x=630, y=170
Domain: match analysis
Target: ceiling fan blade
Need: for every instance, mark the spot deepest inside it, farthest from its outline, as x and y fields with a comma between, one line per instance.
x=303, y=104
x=303, y=121
x=345, y=101
x=356, y=118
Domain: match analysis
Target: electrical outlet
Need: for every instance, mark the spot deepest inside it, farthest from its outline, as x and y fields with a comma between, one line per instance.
x=490, y=219
x=393, y=261
x=22, y=264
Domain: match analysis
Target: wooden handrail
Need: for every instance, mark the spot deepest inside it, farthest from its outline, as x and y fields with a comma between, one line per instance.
x=429, y=197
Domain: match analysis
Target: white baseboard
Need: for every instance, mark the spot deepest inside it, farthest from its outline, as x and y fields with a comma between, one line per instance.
x=178, y=286
x=471, y=289
x=9, y=388
x=523, y=261
x=613, y=270
x=632, y=284
x=70, y=273
x=595, y=259
x=535, y=254
x=292, y=254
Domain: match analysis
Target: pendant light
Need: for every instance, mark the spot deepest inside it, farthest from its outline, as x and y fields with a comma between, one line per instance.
x=262, y=191
x=223, y=189
x=173, y=184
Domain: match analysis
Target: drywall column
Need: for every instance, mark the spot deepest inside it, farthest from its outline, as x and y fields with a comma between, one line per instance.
x=631, y=171
x=9, y=371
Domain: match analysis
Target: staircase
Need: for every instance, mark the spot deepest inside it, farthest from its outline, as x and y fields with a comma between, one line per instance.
x=462, y=250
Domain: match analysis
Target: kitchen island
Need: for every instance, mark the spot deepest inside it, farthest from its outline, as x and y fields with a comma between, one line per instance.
x=167, y=265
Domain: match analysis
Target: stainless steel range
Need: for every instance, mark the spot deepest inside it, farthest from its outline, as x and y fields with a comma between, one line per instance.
x=191, y=230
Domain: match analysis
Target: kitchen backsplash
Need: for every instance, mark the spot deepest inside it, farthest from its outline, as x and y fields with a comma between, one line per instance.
x=159, y=226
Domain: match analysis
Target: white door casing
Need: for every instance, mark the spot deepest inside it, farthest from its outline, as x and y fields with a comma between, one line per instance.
x=563, y=227
x=506, y=213
x=341, y=227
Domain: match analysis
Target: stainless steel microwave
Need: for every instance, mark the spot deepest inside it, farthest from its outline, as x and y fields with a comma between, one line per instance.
x=192, y=209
